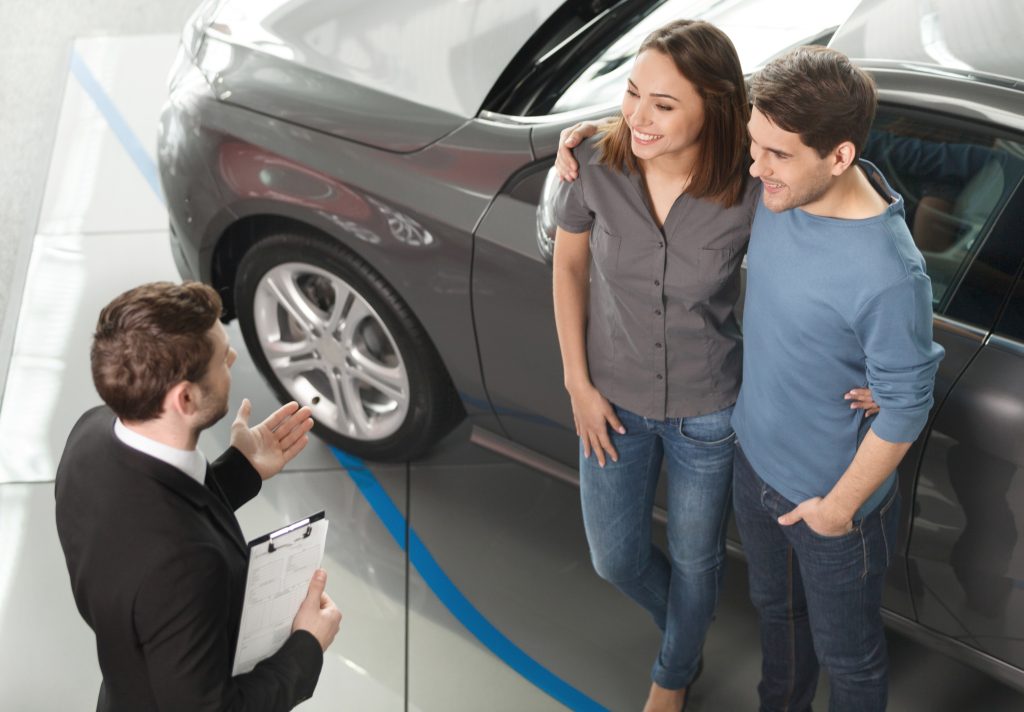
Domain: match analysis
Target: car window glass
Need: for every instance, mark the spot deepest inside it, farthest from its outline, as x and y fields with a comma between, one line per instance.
x=954, y=180
x=806, y=21
x=1012, y=324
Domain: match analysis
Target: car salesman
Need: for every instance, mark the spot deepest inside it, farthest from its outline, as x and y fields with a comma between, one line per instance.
x=156, y=557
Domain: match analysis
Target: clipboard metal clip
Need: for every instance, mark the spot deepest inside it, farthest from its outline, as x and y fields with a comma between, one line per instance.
x=291, y=528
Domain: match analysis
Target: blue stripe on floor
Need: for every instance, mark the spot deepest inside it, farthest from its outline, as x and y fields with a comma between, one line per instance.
x=140, y=157
x=453, y=599
x=419, y=556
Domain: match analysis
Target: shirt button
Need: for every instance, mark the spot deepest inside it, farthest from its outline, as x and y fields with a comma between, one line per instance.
x=658, y=345
x=658, y=312
x=658, y=376
x=657, y=283
x=661, y=244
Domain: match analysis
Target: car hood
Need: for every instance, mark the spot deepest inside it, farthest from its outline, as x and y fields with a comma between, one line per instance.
x=397, y=74
x=982, y=36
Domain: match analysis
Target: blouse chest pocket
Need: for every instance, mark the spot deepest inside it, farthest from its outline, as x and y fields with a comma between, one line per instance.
x=604, y=248
x=716, y=265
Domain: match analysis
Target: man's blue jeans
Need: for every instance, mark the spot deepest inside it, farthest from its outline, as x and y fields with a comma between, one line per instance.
x=680, y=590
x=816, y=594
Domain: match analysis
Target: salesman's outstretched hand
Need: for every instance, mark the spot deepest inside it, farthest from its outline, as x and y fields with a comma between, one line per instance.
x=274, y=442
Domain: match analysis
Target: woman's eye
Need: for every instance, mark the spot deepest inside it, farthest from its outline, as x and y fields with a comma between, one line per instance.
x=632, y=93
x=663, y=107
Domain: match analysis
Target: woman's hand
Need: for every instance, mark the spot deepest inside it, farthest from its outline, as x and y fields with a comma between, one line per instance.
x=592, y=414
x=565, y=163
x=862, y=400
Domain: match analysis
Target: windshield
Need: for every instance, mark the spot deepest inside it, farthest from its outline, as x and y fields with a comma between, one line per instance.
x=758, y=28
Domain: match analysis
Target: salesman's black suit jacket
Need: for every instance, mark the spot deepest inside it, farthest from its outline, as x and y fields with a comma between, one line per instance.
x=158, y=567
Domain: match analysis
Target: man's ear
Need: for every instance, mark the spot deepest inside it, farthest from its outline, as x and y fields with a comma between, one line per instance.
x=843, y=156
x=181, y=398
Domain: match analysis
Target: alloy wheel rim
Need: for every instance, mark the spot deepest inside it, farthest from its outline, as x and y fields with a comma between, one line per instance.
x=331, y=350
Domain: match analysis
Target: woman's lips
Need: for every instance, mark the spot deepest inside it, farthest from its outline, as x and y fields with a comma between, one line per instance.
x=645, y=139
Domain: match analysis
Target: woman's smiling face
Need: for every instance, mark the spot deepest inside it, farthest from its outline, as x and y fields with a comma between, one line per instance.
x=663, y=110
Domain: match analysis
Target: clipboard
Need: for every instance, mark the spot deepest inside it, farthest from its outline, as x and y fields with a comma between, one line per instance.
x=281, y=563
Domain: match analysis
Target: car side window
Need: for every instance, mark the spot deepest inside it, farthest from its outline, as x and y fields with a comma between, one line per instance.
x=1012, y=324
x=954, y=179
x=604, y=80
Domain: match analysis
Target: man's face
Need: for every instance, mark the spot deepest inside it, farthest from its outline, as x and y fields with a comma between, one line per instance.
x=216, y=384
x=792, y=173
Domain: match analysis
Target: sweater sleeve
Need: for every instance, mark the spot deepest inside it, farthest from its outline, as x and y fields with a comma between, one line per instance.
x=895, y=331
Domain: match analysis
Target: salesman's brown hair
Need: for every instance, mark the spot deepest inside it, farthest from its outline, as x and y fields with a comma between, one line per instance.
x=707, y=58
x=149, y=339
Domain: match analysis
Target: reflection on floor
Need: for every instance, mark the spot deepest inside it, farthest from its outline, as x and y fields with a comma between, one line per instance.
x=508, y=538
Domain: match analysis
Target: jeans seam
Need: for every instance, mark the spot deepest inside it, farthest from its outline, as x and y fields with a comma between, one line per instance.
x=792, y=631
x=864, y=553
x=885, y=541
x=886, y=505
x=647, y=487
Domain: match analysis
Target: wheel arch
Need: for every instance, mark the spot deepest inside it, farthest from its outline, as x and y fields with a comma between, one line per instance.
x=243, y=234
x=240, y=236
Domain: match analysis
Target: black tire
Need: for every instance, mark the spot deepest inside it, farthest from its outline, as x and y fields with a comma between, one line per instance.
x=433, y=407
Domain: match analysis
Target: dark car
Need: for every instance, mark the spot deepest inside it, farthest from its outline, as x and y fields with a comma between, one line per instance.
x=369, y=198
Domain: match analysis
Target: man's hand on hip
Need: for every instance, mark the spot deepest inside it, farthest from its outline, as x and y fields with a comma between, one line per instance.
x=819, y=516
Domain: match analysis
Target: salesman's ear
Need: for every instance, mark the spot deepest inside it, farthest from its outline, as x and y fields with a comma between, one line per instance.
x=182, y=398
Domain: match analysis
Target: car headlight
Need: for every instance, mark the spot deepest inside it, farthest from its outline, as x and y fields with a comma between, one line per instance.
x=546, y=222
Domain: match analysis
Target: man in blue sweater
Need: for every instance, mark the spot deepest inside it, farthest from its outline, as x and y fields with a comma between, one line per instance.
x=837, y=293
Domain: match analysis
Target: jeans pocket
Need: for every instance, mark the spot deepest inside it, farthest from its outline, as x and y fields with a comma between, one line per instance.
x=836, y=538
x=709, y=430
x=844, y=558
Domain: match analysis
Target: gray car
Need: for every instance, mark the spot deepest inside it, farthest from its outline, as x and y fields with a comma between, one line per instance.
x=368, y=195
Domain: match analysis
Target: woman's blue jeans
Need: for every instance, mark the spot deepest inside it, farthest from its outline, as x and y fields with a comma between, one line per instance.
x=819, y=598
x=680, y=589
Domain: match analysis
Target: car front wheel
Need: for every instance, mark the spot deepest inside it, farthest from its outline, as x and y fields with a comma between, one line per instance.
x=327, y=331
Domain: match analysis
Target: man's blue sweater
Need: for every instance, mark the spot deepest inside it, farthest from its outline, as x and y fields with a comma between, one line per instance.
x=832, y=305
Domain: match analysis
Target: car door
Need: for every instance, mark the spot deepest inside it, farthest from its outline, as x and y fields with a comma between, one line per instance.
x=514, y=316
x=966, y=552
x=965, y=210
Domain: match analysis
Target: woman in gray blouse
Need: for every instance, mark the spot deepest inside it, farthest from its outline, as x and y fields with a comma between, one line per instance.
x=646, y=277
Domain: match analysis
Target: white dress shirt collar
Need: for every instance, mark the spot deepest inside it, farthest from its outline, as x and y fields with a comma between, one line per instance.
x=191, y=462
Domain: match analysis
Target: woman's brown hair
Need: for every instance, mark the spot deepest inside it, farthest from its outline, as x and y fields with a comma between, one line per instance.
x=707, y=58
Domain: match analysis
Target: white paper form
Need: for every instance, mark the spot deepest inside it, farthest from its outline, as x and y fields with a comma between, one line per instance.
x=280, y=566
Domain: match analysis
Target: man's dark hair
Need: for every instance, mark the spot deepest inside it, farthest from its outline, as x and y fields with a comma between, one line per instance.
x=819, y=94
x=148, y=339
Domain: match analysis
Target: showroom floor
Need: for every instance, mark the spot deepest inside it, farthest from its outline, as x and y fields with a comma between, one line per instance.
x=459, y=608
